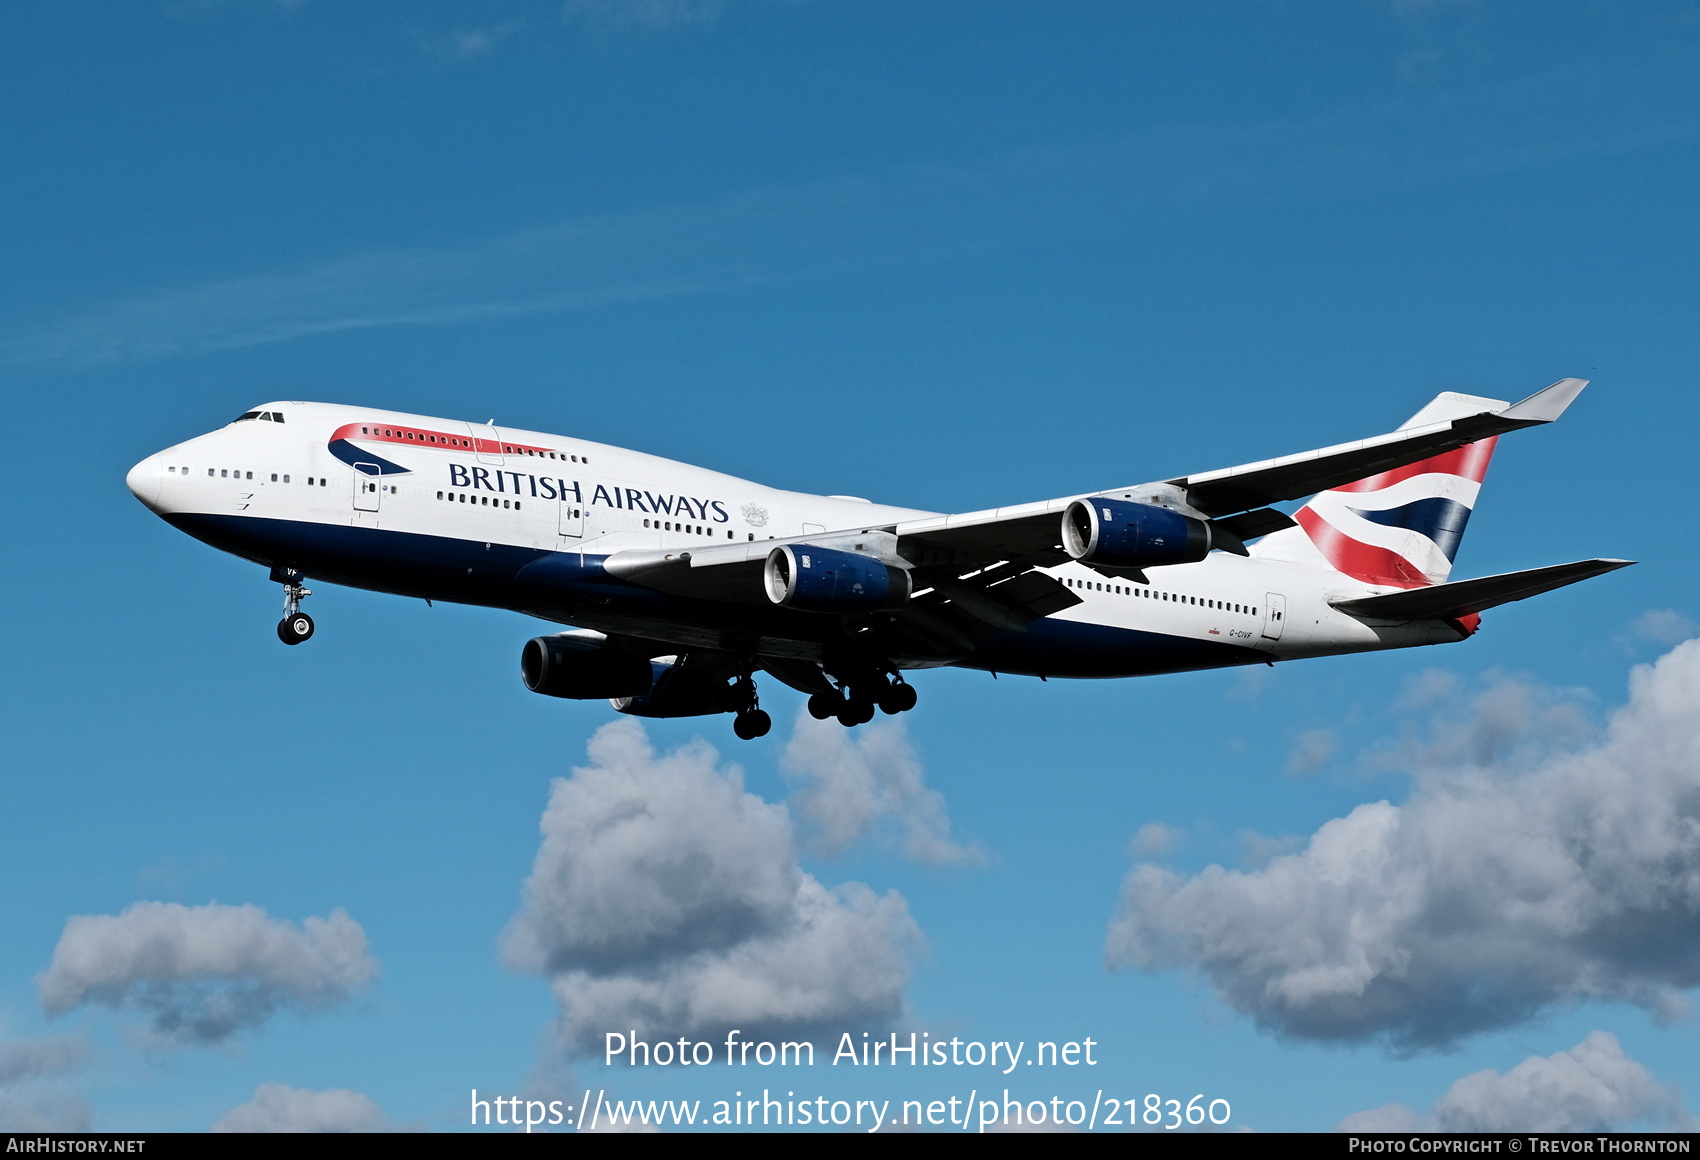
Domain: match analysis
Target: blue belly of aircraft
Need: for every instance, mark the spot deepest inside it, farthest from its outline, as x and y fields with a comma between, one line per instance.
x=1072, y=648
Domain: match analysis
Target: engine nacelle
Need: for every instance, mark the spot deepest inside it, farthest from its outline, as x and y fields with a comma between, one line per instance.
x=1119, y=533
x=566, y=666
x=677, y=692
x=812, y=579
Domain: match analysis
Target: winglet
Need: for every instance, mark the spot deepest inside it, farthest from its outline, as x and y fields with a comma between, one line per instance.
x=1547, y=405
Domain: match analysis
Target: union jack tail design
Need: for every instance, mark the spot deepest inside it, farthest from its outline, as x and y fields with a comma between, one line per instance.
x=1401, y=528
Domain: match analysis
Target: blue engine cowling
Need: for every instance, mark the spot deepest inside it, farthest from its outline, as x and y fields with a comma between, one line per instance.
x=1119, y=533
x=679, y=692
x=567, y=666
x=813, y=579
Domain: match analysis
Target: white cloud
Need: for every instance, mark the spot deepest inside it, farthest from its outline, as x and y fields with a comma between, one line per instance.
x=1511, y=725
x=27, y=1059
x=466, y=43
x=1429, y=687
x=1516, y=877
x=1257, y=849
x=1663, y=627
x=28, y=1100
x=1311, y=751
x=1155, y=839
x=1593, y=1087
x=203, y=972
x=277, y=1107
x=47, y=1111
x=854, y=783
x=667, y=899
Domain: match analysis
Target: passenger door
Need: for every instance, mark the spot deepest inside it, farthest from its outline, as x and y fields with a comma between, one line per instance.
x=572, y=517
x=1274, y=614
x=368, y=486
x=487, y=442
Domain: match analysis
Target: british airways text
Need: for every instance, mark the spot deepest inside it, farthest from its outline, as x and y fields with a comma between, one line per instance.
x=624, y=498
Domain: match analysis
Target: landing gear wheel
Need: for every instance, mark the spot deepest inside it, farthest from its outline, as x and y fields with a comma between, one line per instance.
x=824, y=705
x=856, y=711
x=752, y=724
x=295, y=628
x=898, y=698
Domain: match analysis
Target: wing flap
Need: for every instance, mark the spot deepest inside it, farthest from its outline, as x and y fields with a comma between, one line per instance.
x=993, y=534
x=1463, y=597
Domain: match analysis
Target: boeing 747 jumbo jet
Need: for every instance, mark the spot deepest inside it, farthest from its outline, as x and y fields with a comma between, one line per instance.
x=681, y=583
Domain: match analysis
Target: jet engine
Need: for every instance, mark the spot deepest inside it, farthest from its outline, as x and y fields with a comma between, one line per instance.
x=813, y=579
x=570, y=666
x=1118, y=533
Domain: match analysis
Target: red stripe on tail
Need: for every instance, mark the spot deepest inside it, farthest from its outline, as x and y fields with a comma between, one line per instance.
x=1357, y=559
x=1469, y=461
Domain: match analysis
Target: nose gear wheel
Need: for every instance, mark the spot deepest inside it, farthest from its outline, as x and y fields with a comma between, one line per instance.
x=295, y=629
x=296, y=626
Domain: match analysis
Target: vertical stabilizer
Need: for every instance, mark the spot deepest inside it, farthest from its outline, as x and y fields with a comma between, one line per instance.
x=1400, y=528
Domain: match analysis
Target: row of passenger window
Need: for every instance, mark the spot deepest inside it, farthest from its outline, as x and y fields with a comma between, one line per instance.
x=413, y=434
x=481, y=500
x=692, y=529
x=544, y=452
x=237, y=473
x=1154, y=594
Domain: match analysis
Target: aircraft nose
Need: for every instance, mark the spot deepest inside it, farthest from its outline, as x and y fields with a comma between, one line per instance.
x=144, y=480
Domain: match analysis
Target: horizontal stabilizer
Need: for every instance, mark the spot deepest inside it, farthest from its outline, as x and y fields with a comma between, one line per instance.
x=1442, y=601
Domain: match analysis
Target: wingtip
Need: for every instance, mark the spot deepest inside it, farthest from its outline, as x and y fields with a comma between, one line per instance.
x=1548, y=404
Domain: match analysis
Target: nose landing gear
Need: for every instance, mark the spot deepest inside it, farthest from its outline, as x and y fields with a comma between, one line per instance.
x=296, y=626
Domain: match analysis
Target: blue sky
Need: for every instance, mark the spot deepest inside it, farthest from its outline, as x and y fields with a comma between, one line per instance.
x=947, y=256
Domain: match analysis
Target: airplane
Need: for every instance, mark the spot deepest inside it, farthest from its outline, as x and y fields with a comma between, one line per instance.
x=679, y=584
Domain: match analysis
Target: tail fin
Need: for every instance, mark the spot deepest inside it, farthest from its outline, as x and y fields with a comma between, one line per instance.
x=1400, y=528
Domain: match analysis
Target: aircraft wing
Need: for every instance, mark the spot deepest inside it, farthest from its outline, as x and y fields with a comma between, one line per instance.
x=1466, y=596
x=1235, y=489
x=1237, y=493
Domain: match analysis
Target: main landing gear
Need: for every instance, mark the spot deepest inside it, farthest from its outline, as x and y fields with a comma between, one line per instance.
x=752, y=721
x=853, y=704
x=296, y=626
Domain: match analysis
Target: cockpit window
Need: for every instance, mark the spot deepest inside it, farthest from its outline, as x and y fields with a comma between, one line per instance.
x=275, y=416
x=246, y=415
